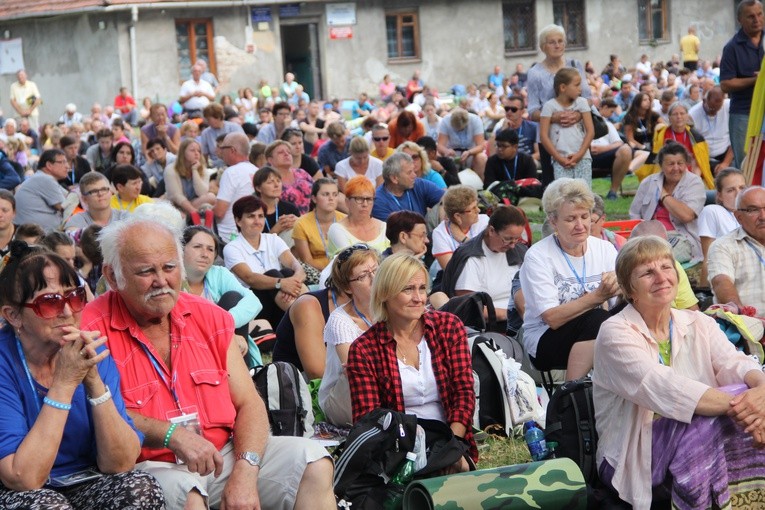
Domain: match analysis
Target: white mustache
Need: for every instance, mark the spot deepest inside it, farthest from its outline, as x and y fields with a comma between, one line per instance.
x=159, y=292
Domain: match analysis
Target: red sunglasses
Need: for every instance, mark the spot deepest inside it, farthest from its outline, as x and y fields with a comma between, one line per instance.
x=48, y=306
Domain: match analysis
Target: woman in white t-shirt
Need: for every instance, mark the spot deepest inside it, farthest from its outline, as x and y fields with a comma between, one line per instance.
x=359, y=163
x=359, y=226
x=463, y=222
x=716, y=220
x=566, y=278
x=263, y=262
x=352, y=273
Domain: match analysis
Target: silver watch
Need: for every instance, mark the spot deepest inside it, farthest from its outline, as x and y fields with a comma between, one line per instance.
x=251, y=457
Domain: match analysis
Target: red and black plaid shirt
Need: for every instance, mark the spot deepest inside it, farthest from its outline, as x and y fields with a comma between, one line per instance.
x=375, y=381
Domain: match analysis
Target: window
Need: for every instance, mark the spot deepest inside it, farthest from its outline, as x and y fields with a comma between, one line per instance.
x=403, y=31
x=519, y=26
x=570, y=15
x=652, y=20
x=195, y=40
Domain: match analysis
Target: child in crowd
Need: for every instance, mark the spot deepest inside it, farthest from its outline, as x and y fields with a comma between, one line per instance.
x=127, y=180
x=568, y=143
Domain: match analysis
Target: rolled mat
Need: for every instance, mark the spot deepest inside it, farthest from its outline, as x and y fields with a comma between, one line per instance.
x=554, y=484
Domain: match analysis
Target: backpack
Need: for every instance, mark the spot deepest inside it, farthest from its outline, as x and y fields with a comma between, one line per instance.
x=376, y=445
x=501, y=403
x=571, y=423
x=287, y=399
x=469, y=309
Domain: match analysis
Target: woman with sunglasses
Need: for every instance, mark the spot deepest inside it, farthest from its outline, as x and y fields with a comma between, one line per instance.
x=412, y=360
x=353, y=272
x=359, y=226
x=358, y=163
x=65, y=438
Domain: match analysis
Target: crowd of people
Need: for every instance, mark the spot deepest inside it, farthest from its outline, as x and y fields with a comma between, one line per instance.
x=337, y=240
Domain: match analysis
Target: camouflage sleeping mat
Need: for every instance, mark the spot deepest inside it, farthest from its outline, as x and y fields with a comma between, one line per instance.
x=553, y=484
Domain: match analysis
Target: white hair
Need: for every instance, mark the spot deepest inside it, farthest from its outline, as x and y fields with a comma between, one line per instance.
x=154, y=216
x=10, y=122
x=548, y=31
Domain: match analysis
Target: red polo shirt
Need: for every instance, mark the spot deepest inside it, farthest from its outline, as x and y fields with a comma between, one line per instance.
x=200, y=334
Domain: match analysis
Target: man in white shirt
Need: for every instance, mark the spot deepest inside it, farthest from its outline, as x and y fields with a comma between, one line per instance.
x=196, y=93
x=235, y=183
x=610, y=151
x=710, y=118
x=25, y=99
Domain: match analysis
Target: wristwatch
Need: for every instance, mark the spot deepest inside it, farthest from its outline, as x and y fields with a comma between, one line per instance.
x=278, y=284
x=251, y=457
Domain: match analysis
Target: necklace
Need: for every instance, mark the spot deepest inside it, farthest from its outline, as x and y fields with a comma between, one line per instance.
x=402, y=355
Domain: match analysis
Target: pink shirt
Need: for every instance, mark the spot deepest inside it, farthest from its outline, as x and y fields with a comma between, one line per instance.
x=200, y=334
x=630, y=385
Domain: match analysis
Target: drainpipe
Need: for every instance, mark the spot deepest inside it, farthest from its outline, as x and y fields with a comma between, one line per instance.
x=133, y=53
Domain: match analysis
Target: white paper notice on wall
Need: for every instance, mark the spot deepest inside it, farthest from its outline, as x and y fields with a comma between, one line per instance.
x=11, y=56
x=341, y=14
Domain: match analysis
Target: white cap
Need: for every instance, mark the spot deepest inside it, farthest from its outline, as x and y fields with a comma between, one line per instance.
x=627, y=77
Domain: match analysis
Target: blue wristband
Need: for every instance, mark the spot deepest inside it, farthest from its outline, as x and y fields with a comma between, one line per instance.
x=56, y=405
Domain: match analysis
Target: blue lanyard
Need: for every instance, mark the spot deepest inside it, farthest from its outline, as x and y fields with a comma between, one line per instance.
x=277, y=217
x=581, y=279
x=408, y=196
x=661, y=360
x=73, y=167
x=29, y=375
x=515, y=169
x=449, y=231
x=361, y=315
x=333, y=296
x=756, y=252
x=170, y=385
x=321, y=234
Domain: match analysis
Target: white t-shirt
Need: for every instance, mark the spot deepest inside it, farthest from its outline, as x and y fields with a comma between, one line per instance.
x=444, y=242
x=235, y=183
x=194, y=102
x=374, y=169
x=716, y=221
x=265, y=258
x=611, y=137
x=489, y=274
x=340, y=329
x=567, y=140
x=548, y=281
x=713, y=129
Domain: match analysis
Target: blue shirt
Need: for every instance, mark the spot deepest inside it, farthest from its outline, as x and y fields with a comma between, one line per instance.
x=495, y=80
x=357, y=108
x=329, y=155
x=20, y=405
x=425, y=194
x=741, y=59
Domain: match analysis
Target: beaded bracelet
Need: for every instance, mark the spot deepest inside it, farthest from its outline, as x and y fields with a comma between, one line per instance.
x=56, y=405
x=169, y=433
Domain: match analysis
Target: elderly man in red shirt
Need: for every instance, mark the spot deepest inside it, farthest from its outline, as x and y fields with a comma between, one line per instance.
x=187, y=388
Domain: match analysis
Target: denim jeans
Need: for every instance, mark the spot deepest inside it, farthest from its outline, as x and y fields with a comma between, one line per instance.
x=737, y=125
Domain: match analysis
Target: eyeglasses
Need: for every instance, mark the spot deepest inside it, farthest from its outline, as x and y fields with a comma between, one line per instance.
x=48, y=306
x=60, y=162
x=98, y=191
x=752, y=211
x=346, y=253
x=366, y=275
x=506, y=240
x=415, y=156
x=363, y=200
x=513, y=109
x=221, y=147
x=381, y=138
x=474, y=209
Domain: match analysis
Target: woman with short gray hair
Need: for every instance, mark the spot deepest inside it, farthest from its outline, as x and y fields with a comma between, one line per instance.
x=566, y=279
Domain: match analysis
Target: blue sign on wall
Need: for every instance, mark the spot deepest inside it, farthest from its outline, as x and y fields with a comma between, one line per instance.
x=289, y=10
x=260, y=14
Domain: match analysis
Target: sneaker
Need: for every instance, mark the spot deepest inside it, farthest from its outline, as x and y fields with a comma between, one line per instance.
x=612, y=195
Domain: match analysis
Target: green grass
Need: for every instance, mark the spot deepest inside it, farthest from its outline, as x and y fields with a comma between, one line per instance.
x=498, y=451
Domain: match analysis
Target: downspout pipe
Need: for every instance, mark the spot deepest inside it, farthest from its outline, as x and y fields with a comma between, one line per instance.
x=133, y=52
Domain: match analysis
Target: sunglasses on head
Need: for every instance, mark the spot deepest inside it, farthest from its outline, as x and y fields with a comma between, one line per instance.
x=50, y=305
x=346, y=253
x=513, y=109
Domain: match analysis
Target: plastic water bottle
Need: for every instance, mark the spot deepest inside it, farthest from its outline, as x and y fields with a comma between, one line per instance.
x=535, y=440
x=398, y=483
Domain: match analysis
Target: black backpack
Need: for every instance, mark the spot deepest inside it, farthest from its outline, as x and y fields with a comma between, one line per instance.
x=571, y=423
x=469, y=309
x=375, y=447
x=287, y=399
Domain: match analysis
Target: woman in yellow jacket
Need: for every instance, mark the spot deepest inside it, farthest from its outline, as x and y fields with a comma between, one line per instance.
x=679, y=131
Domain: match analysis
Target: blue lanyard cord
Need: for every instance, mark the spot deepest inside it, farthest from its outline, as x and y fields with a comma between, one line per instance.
x=454, y=239
x=29, y=375
x=581, y=279
x=408, y=197
x=661, y=360
x=276, y=209
x=334, y=297
x=169, y=385
x=756, y=251
x=321, y=234
x=515, y=169
x=361, y=315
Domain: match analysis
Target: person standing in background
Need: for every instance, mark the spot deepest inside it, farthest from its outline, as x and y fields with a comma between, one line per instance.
x=690, y=45
x=25, y=99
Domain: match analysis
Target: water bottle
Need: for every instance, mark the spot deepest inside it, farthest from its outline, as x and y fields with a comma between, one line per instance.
x=398, y=483
x=535, y=440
